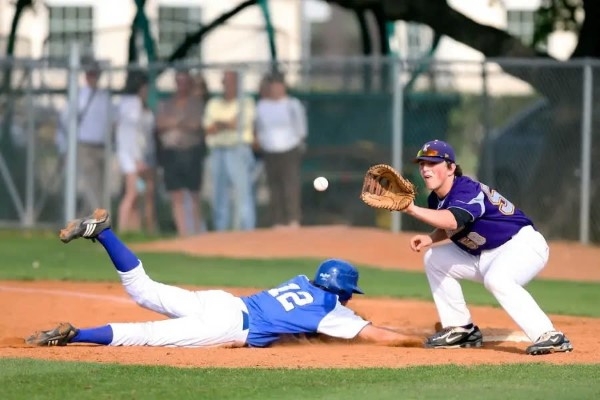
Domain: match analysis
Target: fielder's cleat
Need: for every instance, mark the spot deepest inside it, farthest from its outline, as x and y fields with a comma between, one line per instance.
x=88, y=227
x=550, y=342
x=59, y=336
x=455, y=337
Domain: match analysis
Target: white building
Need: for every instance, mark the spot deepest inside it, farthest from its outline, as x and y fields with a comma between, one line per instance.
x=104, y=27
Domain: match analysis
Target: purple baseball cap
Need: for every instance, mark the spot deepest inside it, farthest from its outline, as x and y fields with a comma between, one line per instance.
x=436, y=151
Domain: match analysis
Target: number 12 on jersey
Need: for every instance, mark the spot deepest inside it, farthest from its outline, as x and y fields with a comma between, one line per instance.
x=291, y=296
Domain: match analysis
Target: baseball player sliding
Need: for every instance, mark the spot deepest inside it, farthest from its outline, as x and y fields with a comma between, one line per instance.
x=491, y=241
x=214, y=318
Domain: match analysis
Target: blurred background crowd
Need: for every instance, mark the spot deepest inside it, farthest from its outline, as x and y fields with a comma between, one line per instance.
x=231, y=139
x=200, y=116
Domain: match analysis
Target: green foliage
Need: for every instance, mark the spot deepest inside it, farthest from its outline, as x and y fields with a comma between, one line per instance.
x=83, y=260
x=30, y=379
x=474, y=118
x=556, y=15
x=42, y=257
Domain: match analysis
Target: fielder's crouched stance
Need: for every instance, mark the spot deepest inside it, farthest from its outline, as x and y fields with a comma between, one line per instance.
x=491, y=241
x=214, y=318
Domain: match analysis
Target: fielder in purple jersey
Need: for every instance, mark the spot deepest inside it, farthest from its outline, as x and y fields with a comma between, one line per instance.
x=492, y=220
x=492, y=242
x=216, y=318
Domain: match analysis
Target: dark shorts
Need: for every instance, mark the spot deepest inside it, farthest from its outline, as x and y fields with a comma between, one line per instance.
x=183, y=168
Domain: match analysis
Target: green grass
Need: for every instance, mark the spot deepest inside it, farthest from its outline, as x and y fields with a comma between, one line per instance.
x=86, y=261
x=29, y=379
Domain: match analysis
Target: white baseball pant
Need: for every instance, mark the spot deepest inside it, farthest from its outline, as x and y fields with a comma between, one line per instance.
x=503, y=271
x=208, y=318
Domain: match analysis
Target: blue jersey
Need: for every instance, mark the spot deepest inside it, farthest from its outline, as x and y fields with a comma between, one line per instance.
x=494, y=219
x=297, y=306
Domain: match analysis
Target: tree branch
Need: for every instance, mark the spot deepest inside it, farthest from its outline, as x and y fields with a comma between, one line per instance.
x=444, y=20
x=196, y=37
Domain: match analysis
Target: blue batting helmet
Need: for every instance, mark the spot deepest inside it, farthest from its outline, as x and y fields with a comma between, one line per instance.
x=338, y=277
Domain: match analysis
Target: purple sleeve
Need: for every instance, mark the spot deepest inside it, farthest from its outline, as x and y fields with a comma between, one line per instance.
x=469, y=200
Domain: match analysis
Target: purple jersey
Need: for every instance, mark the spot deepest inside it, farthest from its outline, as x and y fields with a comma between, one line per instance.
x=494, y=219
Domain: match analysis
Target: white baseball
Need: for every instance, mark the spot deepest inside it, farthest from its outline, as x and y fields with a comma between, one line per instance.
x=320, y=183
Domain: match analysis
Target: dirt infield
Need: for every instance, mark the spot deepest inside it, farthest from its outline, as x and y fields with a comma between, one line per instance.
x=33, y=305
x=370, y=246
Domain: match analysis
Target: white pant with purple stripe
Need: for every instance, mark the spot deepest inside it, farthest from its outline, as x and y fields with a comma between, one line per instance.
x=503, y=271
x=208, y=318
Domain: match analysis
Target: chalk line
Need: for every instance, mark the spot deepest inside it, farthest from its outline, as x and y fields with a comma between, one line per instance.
x=66, y=293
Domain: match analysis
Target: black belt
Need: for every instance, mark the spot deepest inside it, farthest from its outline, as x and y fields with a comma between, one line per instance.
x=245, y=321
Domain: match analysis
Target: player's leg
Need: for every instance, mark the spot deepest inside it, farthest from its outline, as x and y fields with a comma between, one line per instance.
x=510, y=267
x=292, y=186
x=445, y=265
x=181, y=332
x=165, y=299
x=220, y=189
x=91, y=174
x=168, y=300
x=223, y=324
x=239, y=165
x=277, y=203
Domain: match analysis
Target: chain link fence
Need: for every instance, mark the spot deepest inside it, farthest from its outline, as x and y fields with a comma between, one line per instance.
x=527, y=128
x=538, y=154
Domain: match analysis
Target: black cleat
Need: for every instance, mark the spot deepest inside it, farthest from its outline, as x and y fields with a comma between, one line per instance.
x=59, y=336
x=88, y=227
x=550, y=342
x=455, y=337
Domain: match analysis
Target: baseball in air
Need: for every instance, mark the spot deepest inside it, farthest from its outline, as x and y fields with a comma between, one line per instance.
x=320, y=183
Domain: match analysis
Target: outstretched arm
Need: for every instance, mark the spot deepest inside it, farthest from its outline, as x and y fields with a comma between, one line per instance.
x=343, y=323
x=388, y=337
x=440, y=219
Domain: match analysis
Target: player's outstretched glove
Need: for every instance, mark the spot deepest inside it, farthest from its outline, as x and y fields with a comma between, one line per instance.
x=384, y=187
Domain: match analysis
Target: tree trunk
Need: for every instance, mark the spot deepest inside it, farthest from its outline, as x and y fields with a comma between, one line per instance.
x=557, y=172
x=589, y=34
x=5, y=137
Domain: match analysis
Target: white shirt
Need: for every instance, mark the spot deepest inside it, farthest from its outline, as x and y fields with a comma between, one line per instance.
x=95, y=118
x=342, y=322
x=280, y=124
x=134, y=131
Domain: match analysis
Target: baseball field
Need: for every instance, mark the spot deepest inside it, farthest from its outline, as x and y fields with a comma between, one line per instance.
x=43, y=282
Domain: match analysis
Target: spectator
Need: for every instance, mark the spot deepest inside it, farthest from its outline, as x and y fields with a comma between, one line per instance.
x=136, y=153
x=280, y=133
x=229, y=137
x=95, y=117
x=200, y=87
x=260, y=187
x=199, y=90
x=180, y=133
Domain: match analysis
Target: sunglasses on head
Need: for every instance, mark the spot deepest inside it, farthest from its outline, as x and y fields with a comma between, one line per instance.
x=432, y=153
x=429, y=153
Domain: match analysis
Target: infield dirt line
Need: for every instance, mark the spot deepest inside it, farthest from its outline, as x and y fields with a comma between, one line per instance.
x=511, y=336
x=67, y=293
